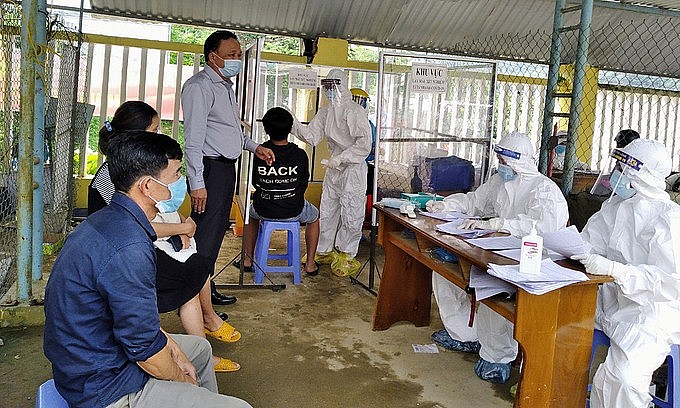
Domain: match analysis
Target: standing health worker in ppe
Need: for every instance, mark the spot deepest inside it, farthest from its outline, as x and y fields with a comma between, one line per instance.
x=345, y=126
x=635, y=238
x=515, y=197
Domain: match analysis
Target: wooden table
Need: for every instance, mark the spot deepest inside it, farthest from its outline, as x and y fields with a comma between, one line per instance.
x=554, y=330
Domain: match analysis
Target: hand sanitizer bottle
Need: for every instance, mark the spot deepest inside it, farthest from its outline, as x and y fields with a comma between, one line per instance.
x=531, y=252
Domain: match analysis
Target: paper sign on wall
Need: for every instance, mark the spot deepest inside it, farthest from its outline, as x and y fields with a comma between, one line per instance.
x=427, y=78
x=302, y=78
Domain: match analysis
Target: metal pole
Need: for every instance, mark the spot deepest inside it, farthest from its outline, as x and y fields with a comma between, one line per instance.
x=551, y=88
x=39, y=142
x=25, y=159
x=577, y=99
x=376, y=165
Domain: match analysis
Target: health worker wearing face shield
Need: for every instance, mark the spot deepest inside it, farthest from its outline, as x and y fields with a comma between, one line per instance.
x=635, y=238
x=213, y=142
x=344, y=124
x=514, y=197
x=602, y=186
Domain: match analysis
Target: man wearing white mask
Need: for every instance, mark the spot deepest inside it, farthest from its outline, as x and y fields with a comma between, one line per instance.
x=635, y=238
x=213, y=141
x=345, y=126
x=515, y=197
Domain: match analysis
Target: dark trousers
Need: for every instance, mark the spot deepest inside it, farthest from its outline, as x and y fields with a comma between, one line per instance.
x=219, y=178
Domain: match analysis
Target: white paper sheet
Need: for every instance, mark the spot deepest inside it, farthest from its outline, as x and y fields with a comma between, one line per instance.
x=452, y=228
x=551, y=277
x=446, y=215
x=425, y=348
x=486, y=285
x=566, y=241
x=494, y=243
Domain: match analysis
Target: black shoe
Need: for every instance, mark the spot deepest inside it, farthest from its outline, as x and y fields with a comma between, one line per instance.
x=219, y=299
x=222, y=315
x=237, y=265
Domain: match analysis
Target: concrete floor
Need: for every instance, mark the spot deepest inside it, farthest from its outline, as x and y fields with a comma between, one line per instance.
x=309, y=345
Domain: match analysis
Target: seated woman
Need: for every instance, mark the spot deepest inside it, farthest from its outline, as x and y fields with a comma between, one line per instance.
x=183, y=285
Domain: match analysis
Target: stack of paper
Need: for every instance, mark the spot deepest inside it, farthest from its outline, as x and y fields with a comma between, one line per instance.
x=453, y=228
x=551, y=277
x=486, y=285
x=516, y=254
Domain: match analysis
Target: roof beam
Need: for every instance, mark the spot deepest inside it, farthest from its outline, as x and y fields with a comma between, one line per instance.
x=633, y=8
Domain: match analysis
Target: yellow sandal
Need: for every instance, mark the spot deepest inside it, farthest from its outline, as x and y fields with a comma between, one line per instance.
x=226, y=333
x=226, y=366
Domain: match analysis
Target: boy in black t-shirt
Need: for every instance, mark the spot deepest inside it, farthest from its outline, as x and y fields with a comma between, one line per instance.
x=280, y=188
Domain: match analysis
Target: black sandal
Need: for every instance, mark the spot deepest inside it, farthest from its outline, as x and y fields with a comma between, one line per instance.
x=315, y=271
x=237, y=265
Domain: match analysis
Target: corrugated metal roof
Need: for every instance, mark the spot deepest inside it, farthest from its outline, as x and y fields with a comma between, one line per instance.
x=511, y=29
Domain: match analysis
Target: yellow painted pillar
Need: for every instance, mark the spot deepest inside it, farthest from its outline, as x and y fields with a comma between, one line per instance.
x=81, y=184
x=586, y=128
x=332, y=52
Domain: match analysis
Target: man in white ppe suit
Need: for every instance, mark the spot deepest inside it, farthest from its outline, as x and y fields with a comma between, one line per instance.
x=517, y=195
x=345, y=126
x=635, y=238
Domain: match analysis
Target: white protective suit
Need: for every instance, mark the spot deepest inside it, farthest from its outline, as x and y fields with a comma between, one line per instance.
x=529, y=196
x=640, y=311
x=345, y=126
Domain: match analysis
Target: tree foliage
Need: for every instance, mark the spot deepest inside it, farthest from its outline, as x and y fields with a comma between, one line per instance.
x=197, y=35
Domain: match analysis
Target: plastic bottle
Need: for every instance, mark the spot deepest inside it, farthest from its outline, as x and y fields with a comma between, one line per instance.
x=416, y=182
x=531, y=252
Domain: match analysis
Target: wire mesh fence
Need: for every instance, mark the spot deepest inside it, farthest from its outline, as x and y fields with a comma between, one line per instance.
x=631, y=81
x=10, y=83
x=66, y=121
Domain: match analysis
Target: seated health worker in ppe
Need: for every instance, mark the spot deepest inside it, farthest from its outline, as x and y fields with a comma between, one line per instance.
x=517, y=195
x=344, y=124
x=635, y=238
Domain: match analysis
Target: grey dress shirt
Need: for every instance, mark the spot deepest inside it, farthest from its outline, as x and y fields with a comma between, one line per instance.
x=211, y=123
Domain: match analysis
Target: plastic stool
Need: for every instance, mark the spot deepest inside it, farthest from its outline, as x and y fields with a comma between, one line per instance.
x=49, y=397
x=292, y=254
x=601, y=339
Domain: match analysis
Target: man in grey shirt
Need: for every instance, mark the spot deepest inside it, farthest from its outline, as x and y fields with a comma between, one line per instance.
x=213, y=141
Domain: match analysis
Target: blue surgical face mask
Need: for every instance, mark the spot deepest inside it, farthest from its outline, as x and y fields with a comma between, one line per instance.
x=178, y=190
x=506, y=172
x=560, y=149
x=621, y=185
x=231, y=68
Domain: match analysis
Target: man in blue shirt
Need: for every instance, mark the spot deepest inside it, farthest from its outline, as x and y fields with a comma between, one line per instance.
x=102, y=328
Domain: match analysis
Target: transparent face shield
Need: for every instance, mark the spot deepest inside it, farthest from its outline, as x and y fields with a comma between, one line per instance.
x=361, y=100
x=613, y=179
x=505, y=156
x=331, y=89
